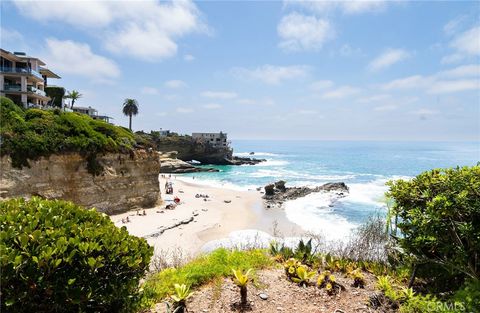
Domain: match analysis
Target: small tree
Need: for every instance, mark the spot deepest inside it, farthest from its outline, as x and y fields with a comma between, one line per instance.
x=74, y=95
x=56, y=94
x=130, y=108
x=438, y=214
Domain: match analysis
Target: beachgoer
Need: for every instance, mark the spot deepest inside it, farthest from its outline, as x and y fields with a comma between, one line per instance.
x=128, y=220
x=144, y=213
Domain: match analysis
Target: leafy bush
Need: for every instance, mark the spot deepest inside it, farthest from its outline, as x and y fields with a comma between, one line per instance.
x=438, y=215
x=59, y=257
x=33, y=133
x=205, y=268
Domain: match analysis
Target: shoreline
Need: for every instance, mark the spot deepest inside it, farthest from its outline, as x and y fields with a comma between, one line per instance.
x=198, y=221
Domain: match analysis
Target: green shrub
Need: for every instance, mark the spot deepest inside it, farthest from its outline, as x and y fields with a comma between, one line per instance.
x=205, y=268
x=59, y=257
x=438, y=215
x=469, y=296
x=33, y=133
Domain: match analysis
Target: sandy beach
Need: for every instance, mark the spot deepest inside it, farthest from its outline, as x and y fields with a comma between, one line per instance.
x=204, y=219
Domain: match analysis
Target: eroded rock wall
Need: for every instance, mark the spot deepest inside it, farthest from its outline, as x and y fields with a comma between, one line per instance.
x=127, y=182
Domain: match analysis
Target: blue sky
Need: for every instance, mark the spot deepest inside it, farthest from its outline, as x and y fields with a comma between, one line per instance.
x=338, y=70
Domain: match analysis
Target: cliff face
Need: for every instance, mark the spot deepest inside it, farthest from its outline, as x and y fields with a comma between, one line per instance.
x=127, y=182
x=188, y=150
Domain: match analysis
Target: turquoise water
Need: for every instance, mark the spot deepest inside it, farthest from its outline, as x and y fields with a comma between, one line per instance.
x=363, y=166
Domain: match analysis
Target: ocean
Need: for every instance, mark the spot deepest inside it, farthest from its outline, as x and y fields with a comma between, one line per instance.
x=364, y=166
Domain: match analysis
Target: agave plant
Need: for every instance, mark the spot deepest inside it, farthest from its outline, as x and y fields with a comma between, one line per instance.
x=304, y=252
x=303, y=276
x=291, y=266
x=182, y=293
x=407, y=293
x=384, y=283
x=241, y=280
x=327, y=280
x=358, y=278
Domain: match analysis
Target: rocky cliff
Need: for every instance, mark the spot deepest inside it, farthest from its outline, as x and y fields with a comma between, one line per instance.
x=127, y=181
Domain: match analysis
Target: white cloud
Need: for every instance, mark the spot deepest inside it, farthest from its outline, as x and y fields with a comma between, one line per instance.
x=452, y=58
x=386, y=107
x=461, y=78
x=453, y=25
x=321, y=84
x=462, y=71
x=146, y=43
x=387, y=59
x=10, y=34
x=375, y=98
x=149, y=91
x=346, y=7
x=271, y=74
x=341, y=92
x=188, y=57
x=89, y=14
x=219, y=94
x=465, y=45
x=184, y=110
x=411, y=82
x=449, y=86
x=301, y=32
x=146, y=30
x=77, y=58
x=212, y=106
x=175, y=83
x=468, y=42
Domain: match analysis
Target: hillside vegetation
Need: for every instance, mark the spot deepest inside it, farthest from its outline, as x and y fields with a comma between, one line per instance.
x=32, y=133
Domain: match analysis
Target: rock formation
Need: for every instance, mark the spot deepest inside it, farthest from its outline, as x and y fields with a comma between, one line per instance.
x=242, y=161
x=127, y=181
x=277, y=193
x=170, y=164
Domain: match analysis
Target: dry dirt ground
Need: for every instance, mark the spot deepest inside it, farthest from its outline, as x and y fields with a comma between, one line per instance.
x=283, y=296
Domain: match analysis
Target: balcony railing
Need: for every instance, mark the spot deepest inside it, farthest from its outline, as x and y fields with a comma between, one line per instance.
x=18, y=87
x=7, y=69
x=12, y=87
x=37, y=91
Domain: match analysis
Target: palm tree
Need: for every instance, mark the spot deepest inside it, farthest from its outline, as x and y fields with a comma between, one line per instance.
x=74, y=95
x=130, y=108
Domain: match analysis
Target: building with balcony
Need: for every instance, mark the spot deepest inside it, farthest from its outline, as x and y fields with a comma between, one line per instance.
x=23, y=78
x=216, y=140
x=93, y=113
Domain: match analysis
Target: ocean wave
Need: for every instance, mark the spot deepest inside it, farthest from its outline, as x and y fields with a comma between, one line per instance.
x=270, y=162
x=215, y=183
x=290, y=175
x=371, y=193
x=313, y=213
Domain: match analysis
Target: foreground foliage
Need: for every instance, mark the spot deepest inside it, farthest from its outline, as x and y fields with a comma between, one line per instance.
x=218, y=263
x=59, y=257
x=438, y=214
x=32, y=133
